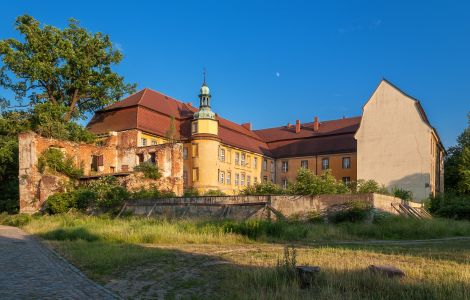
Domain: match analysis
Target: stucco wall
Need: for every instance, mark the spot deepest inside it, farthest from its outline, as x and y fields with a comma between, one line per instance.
x=394, y=142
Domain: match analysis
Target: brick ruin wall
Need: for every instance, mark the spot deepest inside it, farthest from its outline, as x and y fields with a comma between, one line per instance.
x=119, y=158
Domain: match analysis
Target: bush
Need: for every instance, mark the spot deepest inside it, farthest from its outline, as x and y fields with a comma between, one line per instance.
x=214, y=193
x=264, y=188
x=149, y=169
x=15, y=220
x=191, y=192
x=55, y=160
x=108, y=193
x=368, y=186
x=450, y=205
x=308, y=183
x=351, y=211
x=152, y=193
x=59, y=203
x=402, y=194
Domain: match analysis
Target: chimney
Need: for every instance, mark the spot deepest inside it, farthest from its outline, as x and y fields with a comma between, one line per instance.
x=297, y=126
x=288, y=125
x=316, y=124
x=247, y=126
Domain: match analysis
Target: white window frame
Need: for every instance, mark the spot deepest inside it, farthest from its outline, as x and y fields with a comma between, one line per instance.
x=243, y=159
x=185, y=152
x=323, y=163
x=222, y=154
x=237, y=158
x=228, y=179
x=348, y=159
x=237, y=179
x=285, y=166
x=302, y=165
x=242, y=179
x=222, y=177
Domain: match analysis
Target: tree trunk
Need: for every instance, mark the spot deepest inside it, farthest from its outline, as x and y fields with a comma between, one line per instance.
x=69, y=113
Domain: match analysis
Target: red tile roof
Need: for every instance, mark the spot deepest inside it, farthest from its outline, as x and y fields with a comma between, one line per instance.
x=151, y=111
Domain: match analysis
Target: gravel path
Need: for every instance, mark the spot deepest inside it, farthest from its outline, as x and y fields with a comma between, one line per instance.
x=29, y=270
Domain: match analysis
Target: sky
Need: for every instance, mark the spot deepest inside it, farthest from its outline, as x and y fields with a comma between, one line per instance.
x=272, y=62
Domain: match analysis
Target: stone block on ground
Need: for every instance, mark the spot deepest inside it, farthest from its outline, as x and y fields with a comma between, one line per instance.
x=389, y=271
x=306, y=274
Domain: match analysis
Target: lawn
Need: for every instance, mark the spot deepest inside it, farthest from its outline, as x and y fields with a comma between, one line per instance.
x=140, y=258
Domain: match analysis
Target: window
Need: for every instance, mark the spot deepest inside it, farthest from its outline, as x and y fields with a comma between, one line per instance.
x=140, y=157
x=265, y=164
x=255, y=162
x=222, y=177
x=194, y=127
x=272, y=166
x=304, y=164
x=96, y=161
x=265, y=178
x=325, y=163
x=229, y=179
x=237, y=158
x=154, y=142
x=248, y=161
x=285, y=166
x=124, y=168
x=272, y=178
x=112, y=169
x=242, y=180
x=185, y=177
x=346, y=162
x=347, y=180
x=237, y=176
x=284, y=183
x=243, y=159
x=195, y=174
x=222, y=154
x=195, y=149
x=143, y=142
x=153, y=159
x=255, y=180
x=248, y=180
x=185, y=153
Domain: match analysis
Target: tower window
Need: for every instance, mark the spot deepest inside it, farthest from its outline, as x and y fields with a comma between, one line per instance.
x=194, y=127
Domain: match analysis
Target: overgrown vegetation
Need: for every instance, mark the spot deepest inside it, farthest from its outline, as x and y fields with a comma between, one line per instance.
x=55, y=160
x=264, y=188
x=150, y=170
x=351, y=211
x=451, y=205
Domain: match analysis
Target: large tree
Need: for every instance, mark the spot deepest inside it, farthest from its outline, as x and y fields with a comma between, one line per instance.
x=457, y=164
x=68, y=67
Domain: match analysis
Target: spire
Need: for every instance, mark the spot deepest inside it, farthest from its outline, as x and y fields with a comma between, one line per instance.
x=204, y=102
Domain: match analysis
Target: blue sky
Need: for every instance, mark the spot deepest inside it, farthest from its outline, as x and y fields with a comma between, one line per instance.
x=272, y=62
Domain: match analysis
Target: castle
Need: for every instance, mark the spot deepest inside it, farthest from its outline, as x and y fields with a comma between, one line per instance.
x=392, y=142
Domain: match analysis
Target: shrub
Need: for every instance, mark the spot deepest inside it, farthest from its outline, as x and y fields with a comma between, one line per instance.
x=351, y=211
x=264, y=188
x=214, y=193
x=368, y=186
x=151, y=193
x=59, y=203
x=191, y=192
x=107, y=192
x=402, y=194
x=15, y=220
x=149, y=169
x=55, y=160
x=308, y=183
x=450, y=205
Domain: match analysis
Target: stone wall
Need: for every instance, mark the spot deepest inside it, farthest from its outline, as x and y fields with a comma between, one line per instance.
x=242, y=207
x=118, y=159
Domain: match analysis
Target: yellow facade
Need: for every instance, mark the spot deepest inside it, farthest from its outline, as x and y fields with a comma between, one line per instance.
x=146, y=139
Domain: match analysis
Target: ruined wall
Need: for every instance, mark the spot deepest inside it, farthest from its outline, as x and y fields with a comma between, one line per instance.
x=117, y=154
x=253, y=206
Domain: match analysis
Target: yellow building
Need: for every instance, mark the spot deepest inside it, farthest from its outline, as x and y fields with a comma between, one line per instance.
x=220, y=154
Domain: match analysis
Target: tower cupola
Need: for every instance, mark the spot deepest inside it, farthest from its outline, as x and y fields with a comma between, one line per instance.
x=204, y=111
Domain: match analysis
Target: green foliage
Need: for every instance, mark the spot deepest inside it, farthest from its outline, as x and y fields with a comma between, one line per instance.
x=264, y=188
x=351, y=211
x=368, y=186
x=214, y=193
x=191, y=192
x=308, y=183
x=286, y=267
x=108, y=193
x=402, y=194
x=457, y=164
x=451, y=205
x=56, y=161
x=15, y=220
x=59, y=203
x=149, y=169
x=151, y=193
x=68, y=67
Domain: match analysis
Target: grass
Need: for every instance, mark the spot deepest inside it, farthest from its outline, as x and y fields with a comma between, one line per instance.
x=140, y=258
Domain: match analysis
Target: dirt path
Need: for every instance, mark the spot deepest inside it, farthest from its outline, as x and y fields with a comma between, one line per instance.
x=29, y=270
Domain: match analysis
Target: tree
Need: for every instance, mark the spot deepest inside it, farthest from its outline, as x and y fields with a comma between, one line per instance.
x=308, y=183
x=68, y=67
x=457, y=164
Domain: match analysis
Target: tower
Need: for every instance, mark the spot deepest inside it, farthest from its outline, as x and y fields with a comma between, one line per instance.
x=205, y=143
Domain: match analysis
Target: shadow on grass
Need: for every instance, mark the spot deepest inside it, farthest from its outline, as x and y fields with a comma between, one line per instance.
x=137, y=271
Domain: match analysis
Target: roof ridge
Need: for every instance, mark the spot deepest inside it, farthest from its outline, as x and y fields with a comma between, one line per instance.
x=332, y=120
